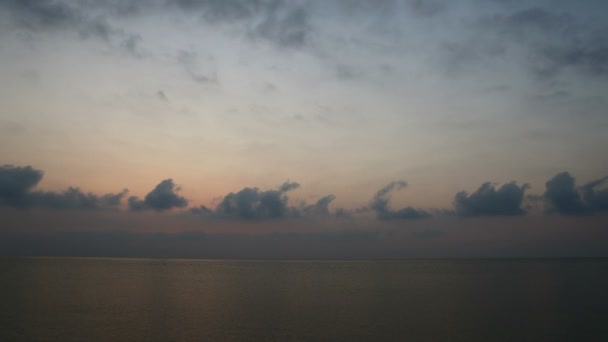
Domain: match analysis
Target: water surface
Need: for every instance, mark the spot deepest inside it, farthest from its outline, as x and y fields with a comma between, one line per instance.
x=86, y=299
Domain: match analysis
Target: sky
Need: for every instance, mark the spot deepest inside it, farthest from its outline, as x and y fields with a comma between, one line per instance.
x=304, y=129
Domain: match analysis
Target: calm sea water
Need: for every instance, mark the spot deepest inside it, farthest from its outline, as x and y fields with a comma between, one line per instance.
x=73, y=299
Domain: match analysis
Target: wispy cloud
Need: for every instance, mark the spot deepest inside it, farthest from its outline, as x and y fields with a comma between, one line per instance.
x=380, y=204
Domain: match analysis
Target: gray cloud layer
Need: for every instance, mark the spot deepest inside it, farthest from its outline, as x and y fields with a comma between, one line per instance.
x=553, y=39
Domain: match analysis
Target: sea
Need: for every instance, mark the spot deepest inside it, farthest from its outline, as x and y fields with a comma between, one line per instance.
x=105, y=299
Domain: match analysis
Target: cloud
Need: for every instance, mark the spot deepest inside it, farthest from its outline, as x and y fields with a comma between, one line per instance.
x=596, y=198
x=556, y=41
x=87, y=21
x=163, y=197
x=386, y=9
x=562, y=196
x=427, y=8
x=161, y=95
x=285, y=26
x=41, y=15
x=320, y=208
x=201, y=210
x=219, y=10
x=288, y=186
x=343, y=213
x=255, y=204
x=380, y=204
x=16, y=184
x=74, y=198
x=252, y=203
x=546, y=42
x=489, y=201
x=190, y=62
x=283, y=23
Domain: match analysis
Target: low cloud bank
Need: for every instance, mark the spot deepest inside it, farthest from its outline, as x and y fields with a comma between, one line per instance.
x=561, y=196
x=16, y=190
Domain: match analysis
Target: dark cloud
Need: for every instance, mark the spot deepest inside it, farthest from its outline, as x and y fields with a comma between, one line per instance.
x=427, y=8
x=220, y=10
x=252, y=203
x=489, y=201
x=562, y=196
x=556, y=40
x=320, y=208
x=538, y=19
x=591, y=59
x=16, y=184
x=83, y=18
x=41, y=15
x=381, y=199
x=283, y=23
x=120, y=8
x=201, y=210
x=380, y=204
x=387, y=8
x=255, y=204
x=285, y=26
x=74, y=198
x=594, y=196
x=288, y=186
x=163, y=197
